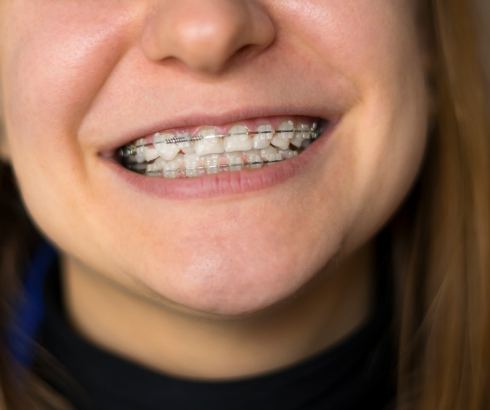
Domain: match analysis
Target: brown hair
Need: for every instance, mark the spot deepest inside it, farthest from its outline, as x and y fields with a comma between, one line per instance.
x=442, y=235
x=440, y=239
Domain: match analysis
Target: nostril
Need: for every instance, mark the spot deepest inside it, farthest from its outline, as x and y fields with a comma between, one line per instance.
x=245, y=51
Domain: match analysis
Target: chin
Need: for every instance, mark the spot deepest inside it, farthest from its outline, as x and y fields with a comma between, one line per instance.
x=228, y=287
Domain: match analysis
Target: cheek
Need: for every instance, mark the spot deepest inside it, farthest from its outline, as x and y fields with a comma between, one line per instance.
x=55, y=58
x=387, y=141
x=376, y=47
x=389, y=136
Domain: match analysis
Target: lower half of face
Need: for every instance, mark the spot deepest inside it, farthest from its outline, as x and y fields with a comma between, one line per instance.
x=221, y=244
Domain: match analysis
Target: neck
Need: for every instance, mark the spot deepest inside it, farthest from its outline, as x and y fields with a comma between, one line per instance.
x=190, y=345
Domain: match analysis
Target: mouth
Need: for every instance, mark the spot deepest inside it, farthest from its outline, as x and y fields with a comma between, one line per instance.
x=209, y=161
x=203, y=150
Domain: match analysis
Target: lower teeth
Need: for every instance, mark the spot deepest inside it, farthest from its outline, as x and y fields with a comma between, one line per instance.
x=193, y=166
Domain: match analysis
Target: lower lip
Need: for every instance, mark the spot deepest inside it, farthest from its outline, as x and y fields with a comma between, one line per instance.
x=224, y=183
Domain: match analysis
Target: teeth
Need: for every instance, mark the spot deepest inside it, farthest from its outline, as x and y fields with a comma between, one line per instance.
x=237, y=139
x=182, y=154
x=171, y=168
x=263, y=137
x=170, y=174
x=234, y=160
x=302, y=133
x=187, y=147
x=140, y=155
x=287, y=154
x=297, y=141
x=270, y=154
x=192, y=161
x=305, y=130
x=151, y=154
x=185, y=144
x=305, y=143
x=191, y=173
x=283, y=136
x=164, y=146
x=254, y=159
x=157, y=165
x=208, y=144
x=211, y=162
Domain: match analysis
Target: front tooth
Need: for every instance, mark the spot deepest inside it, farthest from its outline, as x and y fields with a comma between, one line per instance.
x=234, y=160
x=165, y=148
x=174, y=165
x=211, y=162
x=263, y=137
x=281, y=139
x=185, y=144
x=187, y=147
x=194, y=165
x=191, y=161
x=210, y=143
x=237, y=139
x=254, y=159
x=170, y=174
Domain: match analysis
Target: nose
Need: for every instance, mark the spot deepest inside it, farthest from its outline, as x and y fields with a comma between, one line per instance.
x=206, y=35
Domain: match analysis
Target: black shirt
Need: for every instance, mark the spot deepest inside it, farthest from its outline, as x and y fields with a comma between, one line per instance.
x=357, y=372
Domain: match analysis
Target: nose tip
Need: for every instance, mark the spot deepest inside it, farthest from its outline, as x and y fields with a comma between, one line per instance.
x=206, y=35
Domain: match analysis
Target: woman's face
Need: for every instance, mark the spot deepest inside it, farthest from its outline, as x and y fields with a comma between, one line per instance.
x=80, y=78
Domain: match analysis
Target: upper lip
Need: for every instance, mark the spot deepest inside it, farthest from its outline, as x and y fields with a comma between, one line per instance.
x=205, y=118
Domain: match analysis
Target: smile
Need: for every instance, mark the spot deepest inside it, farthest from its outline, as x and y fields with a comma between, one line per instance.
x=211, y=150
x=209, y=161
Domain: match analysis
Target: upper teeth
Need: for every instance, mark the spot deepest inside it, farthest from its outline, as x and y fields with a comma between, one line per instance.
x=207, y=140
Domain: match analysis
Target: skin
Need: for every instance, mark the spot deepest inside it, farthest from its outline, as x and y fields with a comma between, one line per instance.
x=226, y=286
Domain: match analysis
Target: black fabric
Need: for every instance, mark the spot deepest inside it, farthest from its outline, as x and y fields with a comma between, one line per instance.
x=356, y=373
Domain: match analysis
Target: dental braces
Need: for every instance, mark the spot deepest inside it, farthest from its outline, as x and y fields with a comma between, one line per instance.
x=131, y=150
x=201, y=169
